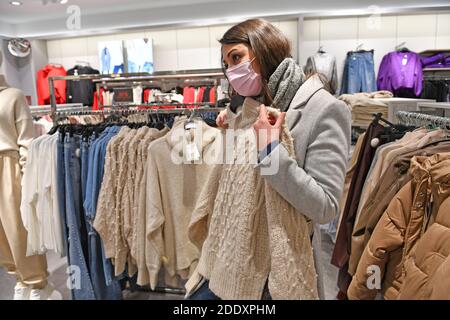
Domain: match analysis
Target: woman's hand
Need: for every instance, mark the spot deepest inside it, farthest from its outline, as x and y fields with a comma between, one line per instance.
x=267, y=128
x=221, y=118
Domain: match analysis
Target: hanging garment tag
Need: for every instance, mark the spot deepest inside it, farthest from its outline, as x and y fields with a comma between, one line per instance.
x=190, y=125
x=192, y=153
x=405, y=60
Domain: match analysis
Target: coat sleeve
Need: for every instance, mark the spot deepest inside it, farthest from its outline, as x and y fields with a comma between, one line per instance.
x=315, y=188
x=387, y=237
x=381, y=79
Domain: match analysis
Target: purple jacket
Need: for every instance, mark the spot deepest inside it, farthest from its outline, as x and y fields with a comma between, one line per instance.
x=437, y=58
x=400, y=70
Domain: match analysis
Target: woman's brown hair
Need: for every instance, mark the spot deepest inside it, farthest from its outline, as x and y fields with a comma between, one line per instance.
x=270, y=47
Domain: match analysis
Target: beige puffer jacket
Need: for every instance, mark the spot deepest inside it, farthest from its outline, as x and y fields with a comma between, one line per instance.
x=400, y=227
x=427, y=269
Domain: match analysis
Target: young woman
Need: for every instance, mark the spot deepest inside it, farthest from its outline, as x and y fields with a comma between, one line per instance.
x=258, y=63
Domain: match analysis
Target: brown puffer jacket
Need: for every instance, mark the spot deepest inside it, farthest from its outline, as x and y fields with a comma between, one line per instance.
x=401, y=225
x=427, y=269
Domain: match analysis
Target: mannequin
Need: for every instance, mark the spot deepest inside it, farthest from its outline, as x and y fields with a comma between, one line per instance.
x=16, y=133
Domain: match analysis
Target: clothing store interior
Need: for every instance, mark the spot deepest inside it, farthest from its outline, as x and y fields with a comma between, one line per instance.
x=224, y=150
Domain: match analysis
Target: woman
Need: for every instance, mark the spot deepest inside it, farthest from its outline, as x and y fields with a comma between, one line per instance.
x=257, y=61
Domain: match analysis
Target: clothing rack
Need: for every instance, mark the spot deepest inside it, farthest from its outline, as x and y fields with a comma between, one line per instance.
x=163, y=81
x=420, y=119
x=212, y=77
x=47, y=109
x=157, y=104
x=126, y=112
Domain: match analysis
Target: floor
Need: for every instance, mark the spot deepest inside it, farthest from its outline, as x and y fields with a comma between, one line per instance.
x=58, y=277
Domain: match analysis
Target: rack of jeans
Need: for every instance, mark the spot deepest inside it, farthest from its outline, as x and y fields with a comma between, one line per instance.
x=81, y=151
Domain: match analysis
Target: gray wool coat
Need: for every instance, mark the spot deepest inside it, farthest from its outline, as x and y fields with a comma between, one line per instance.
x=314, y=181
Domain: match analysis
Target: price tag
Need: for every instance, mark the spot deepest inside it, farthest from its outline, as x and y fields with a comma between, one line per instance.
x=405, y=60
x=192, y=153
x=190, y=125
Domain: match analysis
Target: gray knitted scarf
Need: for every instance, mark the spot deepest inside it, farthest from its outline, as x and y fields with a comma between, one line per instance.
x=284, y=83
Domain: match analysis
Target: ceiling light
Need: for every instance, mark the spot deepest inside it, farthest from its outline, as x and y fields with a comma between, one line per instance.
x=15, y=3
x=63, y=1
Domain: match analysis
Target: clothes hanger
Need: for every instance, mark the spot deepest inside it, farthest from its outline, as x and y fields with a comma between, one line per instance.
x=401, y=47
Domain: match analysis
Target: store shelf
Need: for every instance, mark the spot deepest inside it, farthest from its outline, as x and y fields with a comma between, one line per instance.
x=435, y=69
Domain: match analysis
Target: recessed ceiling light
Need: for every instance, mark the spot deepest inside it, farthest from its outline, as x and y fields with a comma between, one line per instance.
x=15, y=3
x=63, y=1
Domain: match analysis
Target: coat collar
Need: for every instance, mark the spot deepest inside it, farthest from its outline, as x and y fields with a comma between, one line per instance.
x=306, y=91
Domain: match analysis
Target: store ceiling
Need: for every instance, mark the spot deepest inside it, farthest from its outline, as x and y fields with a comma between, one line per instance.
x=47, y=18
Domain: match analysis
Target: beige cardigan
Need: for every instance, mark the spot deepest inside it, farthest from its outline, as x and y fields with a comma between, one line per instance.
x=253, y=234
x=171, y=188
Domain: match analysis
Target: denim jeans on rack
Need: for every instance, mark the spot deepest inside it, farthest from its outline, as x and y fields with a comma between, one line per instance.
x=359, y=73
x=61, y=190
x=118, y=68
x=132, y=67
x=106, y=61
x=104, y=286
x=82, y=288
x=147, y=67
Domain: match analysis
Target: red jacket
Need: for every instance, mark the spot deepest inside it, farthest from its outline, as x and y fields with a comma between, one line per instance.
x=43, y=90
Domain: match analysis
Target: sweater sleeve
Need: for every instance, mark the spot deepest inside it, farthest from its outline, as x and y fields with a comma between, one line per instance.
x=309, y=67
x=198, y=226
x=381, y=79
x=315, y=189
x=154, y=248
x=24, y=127
x=418, y=77
x=334, y=77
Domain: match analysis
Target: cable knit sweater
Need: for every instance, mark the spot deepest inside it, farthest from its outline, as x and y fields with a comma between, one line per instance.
x=253, y=234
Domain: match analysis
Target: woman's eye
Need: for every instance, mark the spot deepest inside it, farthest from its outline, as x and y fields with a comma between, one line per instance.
x=236, y=58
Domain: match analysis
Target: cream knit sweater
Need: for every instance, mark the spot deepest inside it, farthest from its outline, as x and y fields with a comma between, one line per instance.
x=253, y=234
x=16, y=123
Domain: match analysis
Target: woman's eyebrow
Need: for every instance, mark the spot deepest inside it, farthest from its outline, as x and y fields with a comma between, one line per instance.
x=229, y=52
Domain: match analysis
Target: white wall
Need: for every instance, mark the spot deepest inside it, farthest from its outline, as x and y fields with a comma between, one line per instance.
x=339, y=35
x=178, y=49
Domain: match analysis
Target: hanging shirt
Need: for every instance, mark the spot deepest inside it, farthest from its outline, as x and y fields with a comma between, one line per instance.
x=39, y=205
x=81, y=91
x=401, y=71
x=325, y=64
x=43, y=90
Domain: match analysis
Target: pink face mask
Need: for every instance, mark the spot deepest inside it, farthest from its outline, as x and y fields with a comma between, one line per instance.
x=244, y=79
